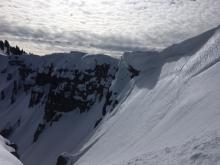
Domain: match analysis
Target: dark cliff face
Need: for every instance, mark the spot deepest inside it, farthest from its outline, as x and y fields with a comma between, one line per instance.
x=59, y=90
x=83, y=91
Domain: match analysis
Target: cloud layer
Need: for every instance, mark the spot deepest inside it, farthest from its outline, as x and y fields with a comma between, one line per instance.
x=104, y=25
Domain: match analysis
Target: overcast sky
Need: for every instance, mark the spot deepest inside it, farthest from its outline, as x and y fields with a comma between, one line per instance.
x=46, y=26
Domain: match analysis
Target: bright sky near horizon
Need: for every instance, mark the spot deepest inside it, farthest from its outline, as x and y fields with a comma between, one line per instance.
x=108, y=26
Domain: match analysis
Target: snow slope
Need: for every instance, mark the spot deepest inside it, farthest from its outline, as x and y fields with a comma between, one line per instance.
x=174, y=100
x=6, y=158
x=203, y=151
x=145, y=108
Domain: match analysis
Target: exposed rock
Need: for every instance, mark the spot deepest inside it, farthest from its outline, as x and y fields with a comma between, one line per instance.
x=97, y=122
x=2, y=95
x=61, y=160
x=6, y=132
x=133, y=72
x=39, y=130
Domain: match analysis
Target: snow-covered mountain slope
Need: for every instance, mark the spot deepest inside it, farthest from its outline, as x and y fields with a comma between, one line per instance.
x=53, y=103
x=145, y=108
x=174, y=99
x=6, y=158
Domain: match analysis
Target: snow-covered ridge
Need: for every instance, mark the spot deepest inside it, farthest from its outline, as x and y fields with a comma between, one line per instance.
x=152, y=59
x=75, y=108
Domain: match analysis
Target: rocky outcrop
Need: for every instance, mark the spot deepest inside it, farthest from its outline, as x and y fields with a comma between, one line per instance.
x=60, y=89
x=133, y=72
x=61, y=160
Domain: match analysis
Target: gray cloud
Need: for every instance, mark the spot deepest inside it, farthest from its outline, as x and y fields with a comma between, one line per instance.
x=68, y=39
x=104, y=25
